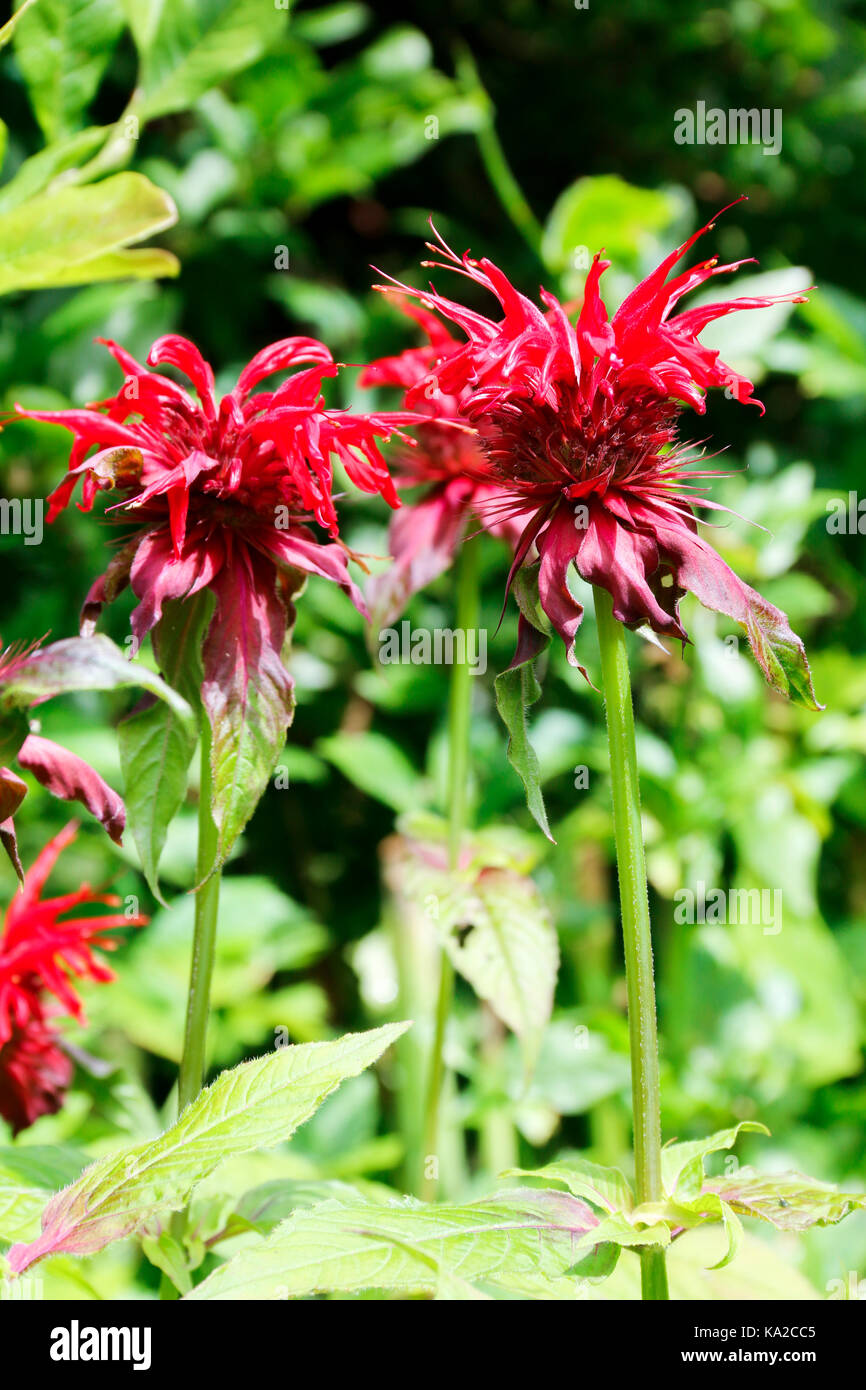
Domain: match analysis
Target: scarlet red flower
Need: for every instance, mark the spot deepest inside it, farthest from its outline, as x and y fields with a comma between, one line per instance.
x=40, y=956
x=579, y=428
x=447, y=462
x=221, y=494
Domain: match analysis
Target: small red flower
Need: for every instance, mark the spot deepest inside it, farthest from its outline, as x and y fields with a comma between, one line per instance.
x=446, y=461
x=40, y=957
x=578, y=423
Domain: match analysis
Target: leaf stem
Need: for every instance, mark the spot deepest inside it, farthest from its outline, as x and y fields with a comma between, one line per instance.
x=459, y=728
x=194, y=1060
x=637, y=938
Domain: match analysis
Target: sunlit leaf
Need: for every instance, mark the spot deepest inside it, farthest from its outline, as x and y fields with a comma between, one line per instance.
x=253, y=1106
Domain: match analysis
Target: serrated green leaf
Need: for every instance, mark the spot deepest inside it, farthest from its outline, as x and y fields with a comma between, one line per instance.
x=52, y=238
x=780, y=654
x=496, y=929
x=606, y=1188
x=789, y=1201
x=252, y=1106
x=505, y=1240
x=63, y=47
x=510, y=954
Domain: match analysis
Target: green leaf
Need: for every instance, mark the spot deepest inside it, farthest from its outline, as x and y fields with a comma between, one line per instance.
x=377, y=765
x=630, y=1231
x=253, y=1106
x=683, y=1164
x=136, y=263
x=84, y=663
x=509, y=954
x=705, y=1209
x=37, y=172
x=780, y=654
x=605, y=211
x=495, y=927
x=516, y=689
x=170, y=1257
x=155, y=744
x=7, y=30
x=14, y=728
x=508, y=1241
x=606, y=1188
x=789, y=1201
x=188, y=46
x=60, y=238
x=63, y=48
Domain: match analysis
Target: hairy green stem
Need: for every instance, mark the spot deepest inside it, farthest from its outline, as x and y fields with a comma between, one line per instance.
x=194, y=1060
x=459, y=727
x=637, y=938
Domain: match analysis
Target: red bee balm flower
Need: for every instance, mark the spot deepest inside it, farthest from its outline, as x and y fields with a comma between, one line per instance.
x=39, y=956
x=578, y=423
x=220, y=493
x=447, y=462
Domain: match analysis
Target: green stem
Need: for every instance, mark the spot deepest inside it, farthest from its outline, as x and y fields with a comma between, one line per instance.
x=634, y=902
x=194, y=1060
x=459, y=727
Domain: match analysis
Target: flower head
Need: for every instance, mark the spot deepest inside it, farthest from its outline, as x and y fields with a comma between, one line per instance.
x=220, y=494
x=578, y=424
x=214, y=485
x=42, y=952
x=447, y=462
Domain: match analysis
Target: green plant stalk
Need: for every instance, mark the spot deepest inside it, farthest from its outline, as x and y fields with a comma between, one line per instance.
x=637, y=938
x=459, y=727
x=194, y=1059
